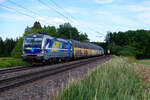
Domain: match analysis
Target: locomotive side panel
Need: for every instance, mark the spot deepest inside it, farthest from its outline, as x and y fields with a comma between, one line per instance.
x=56, y=49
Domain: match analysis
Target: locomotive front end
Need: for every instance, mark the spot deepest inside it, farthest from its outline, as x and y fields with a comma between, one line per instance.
x=33, y=48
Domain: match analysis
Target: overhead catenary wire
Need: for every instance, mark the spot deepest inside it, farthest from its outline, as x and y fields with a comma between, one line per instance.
x=22, y=7
x=50, y=7
x=58, y=12
x=22, y=13
x=61, y=8
x=74, y=18
x=31, y=11
x=35, y=13
x=12, y=9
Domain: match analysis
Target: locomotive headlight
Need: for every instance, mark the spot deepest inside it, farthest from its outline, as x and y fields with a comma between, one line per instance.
x=43, y=52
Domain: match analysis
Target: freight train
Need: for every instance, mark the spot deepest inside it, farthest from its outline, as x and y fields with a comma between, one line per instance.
x=44, y=48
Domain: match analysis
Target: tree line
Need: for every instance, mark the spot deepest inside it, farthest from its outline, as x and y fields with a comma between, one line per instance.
x=65, y=31
x=6, y=46
x=130, y=43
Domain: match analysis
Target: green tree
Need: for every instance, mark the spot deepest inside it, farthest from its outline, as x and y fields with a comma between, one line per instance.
x=127, y=51
x=17, y=51
x=37, y=25
x=6, y=46
x=9, y=45
x=139, y=40
x=66, y=31
x=83, y=37
x=27, y=29
x=1, y=47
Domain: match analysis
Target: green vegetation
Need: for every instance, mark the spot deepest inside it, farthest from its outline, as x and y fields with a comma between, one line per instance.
x=129, y=43
x=6, y=46
x=145, y=62
x=118, y=79
x=17, y=51
x=6, y=62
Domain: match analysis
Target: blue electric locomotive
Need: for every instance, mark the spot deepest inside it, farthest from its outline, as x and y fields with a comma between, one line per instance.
x=44, y=48
x=41, y=47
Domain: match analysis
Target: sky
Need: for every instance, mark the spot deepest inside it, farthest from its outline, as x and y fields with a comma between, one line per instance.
x=94, y=17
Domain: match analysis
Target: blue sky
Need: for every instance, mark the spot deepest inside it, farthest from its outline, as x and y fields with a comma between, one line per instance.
x=94, y=17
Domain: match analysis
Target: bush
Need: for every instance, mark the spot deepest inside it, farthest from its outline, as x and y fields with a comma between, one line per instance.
x=115, y=49
x=127, y=51
x=10, y=62
x=17, y=51
x=122, y=50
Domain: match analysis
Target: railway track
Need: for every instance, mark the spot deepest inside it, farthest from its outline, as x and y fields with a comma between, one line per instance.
x=15, y=69
x=6, y=84
x=19, y=68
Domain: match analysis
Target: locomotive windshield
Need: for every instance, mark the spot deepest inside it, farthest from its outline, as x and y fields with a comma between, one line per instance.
x=33, y=41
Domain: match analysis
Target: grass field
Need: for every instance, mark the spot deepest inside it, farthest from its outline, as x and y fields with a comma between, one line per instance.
x=118, y=79
x=6, y=62
x=145, y=62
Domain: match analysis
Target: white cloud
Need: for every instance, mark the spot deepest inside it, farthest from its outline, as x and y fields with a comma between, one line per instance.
x=101, y=12
x=1, y=1
x=40, y=19
x=14, y=17
x=147, y=2
x=104, y=1
x=121, y=20
x=141, y=12
x=20, y=18
x=58, y=20
x=50, y=21
x=137, y=8
x=144, y=17
x=41, y=7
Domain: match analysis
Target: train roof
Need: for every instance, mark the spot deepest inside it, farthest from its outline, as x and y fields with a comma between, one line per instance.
x=63, y=40
x=42, y=35
x=74, y=42
x=86, y=45
x=34, y=35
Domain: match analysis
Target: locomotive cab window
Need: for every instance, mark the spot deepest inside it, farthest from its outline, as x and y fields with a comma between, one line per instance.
x=33, y=41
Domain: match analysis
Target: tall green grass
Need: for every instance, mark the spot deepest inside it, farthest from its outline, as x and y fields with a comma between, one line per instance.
x=6, y=62
x=145, y=62
x=117, y=79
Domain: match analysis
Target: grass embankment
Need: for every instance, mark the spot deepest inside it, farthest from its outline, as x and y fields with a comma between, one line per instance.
x=118, y=79
x=145, y=62
x=6, y=62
